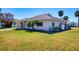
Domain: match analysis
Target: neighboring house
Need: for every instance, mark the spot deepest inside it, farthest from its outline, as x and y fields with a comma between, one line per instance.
x=46, y=22
x=73, y=24
x=1, y=24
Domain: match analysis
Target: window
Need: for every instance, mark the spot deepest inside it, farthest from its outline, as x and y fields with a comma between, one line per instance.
x=60, y=24
x=39, y=24
x=53, y=24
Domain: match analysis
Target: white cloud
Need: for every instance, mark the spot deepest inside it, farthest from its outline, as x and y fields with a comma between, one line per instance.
x=40, y=3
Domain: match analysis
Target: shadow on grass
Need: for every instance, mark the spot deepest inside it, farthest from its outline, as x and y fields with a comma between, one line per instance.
x=6, y=27
x=41, y=31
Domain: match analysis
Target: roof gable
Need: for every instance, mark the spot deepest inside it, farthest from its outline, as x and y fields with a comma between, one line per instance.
x=43, y=17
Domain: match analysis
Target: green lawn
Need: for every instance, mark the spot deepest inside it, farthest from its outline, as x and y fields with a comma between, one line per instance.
x=36, y=41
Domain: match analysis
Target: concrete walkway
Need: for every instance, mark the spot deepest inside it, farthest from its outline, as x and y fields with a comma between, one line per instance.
x=6, y=29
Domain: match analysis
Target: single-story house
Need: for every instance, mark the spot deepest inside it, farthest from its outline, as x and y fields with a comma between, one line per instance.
x=45, y=22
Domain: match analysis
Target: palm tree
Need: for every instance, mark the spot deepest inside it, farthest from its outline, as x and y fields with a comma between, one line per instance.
x=60, y=13
x=0, y=9
x=66, y=19
x=77, y=15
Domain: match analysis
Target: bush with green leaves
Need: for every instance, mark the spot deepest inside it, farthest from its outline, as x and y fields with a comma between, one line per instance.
x=56, y=28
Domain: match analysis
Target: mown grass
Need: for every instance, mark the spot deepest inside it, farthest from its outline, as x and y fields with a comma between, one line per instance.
x=23, y=40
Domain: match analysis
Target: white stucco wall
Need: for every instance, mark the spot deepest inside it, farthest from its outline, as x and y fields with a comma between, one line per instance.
x=63, y=26
x=18, y=25
x=56, y=24
x=46, y=25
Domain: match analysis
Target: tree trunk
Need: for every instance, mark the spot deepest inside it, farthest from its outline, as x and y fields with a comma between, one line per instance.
x=60, y=17
x=78, y=21
x=33, y=26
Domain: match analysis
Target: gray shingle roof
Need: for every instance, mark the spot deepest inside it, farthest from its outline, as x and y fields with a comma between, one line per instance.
x=47, y=17
x=43, y=17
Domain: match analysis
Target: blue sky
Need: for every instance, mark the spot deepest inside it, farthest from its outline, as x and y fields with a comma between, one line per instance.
x=20, y=13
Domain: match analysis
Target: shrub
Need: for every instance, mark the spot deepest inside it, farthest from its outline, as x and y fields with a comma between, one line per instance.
x=56, y=28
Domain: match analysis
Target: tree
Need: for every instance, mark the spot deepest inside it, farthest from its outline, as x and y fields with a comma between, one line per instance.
x=0, y=9
x=1, y=17
x=60, y=13
x=77, y=15
x=32, y=23
x=66, y=18
x=7, y=19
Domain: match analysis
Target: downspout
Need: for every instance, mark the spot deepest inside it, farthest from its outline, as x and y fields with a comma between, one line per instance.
x=65, y=25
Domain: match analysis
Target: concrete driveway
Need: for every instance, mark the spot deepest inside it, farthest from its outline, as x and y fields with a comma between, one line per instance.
x=6, y=29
